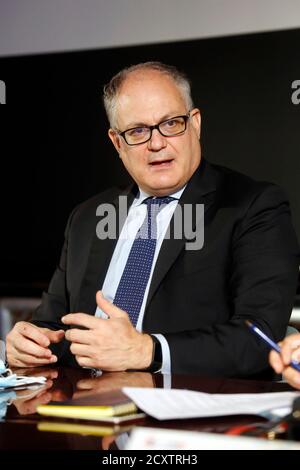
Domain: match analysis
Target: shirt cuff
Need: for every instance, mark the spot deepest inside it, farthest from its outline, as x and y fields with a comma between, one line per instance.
x=166, y=356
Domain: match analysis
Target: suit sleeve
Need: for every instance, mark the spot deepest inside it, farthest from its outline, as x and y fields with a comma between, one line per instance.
x=262, y=282
x=55, y=302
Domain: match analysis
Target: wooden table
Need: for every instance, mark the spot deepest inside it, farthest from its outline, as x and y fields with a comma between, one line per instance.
x=20, y=429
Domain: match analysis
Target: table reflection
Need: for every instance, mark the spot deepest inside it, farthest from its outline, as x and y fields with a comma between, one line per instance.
x=64, y=384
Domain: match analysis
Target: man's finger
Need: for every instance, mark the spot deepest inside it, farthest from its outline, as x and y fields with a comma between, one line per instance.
x=292, y=376
x=23, y=345
x=112, y=310
x=25, y=360
x=32, y=332
x=289, y=345
x=276, y=362
x=296, y=355
x=80, y=350
x=55, y=336
x=81, y=319
x=78, y=336
x=84, y=361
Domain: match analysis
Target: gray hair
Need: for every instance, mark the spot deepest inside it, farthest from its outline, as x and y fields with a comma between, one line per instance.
x=111, y=90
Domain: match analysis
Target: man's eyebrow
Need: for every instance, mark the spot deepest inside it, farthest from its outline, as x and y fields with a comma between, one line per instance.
x=165, y=117
x=132, y=125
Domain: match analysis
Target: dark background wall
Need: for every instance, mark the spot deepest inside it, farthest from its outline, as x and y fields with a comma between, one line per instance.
x=55, y=151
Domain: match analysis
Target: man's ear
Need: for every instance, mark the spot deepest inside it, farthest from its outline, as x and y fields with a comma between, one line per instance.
x=196, y=120
x=115, y=138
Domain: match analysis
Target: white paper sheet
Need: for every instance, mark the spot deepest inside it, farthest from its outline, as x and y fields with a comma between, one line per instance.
x=179, y=404
x=170, y=439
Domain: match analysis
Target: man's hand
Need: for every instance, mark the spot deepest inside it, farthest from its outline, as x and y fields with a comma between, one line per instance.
x=109, y=381
x=112, y=344
x=290, y=349
x=26, y=402
x=27, y=345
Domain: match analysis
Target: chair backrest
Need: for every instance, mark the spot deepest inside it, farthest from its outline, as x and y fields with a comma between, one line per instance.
x=291, y=330
x=14, y=309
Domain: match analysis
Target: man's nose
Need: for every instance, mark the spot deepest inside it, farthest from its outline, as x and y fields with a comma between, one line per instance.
x=157, y=140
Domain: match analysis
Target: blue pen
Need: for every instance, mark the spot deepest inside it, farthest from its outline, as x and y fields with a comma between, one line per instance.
x=270, y=342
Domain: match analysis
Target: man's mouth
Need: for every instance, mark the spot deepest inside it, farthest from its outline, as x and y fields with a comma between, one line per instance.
x=161, y=163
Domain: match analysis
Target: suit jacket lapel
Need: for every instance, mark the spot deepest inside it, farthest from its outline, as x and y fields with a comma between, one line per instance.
x=201, y=189
x=99, y=258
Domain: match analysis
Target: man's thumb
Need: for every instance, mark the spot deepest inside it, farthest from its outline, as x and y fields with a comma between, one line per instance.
x=109, y=308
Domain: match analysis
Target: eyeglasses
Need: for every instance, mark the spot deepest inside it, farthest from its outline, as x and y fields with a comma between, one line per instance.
x=169, y=128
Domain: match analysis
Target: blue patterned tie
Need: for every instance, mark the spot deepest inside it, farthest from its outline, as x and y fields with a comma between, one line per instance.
x=131, y=289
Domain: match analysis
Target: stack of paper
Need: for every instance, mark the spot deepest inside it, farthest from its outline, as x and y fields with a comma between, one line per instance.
x=163, y=403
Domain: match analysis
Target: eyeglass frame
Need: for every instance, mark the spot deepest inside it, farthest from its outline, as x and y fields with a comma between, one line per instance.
x=186, y=117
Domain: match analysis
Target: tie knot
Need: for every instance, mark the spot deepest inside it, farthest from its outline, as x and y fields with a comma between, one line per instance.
x=158, y=201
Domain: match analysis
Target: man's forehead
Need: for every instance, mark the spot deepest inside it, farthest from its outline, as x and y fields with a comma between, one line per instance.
x=148, y=97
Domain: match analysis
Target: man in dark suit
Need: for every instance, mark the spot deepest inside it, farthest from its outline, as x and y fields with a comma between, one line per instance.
x=191, y=314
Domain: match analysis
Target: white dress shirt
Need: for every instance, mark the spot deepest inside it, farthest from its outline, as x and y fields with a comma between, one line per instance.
x=133, y=222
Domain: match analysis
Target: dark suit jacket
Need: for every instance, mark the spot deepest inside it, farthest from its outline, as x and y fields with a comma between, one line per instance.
x=247, y=269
